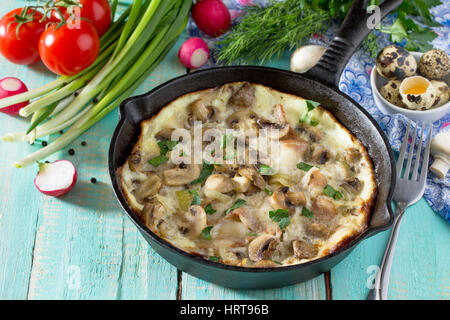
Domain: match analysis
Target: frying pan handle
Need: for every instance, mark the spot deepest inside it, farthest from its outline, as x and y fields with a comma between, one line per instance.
x=352, y=33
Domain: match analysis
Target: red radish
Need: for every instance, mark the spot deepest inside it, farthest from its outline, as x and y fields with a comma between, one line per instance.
x=57, y=178
x=193, y=53
x=212, y=17
x=9, y=87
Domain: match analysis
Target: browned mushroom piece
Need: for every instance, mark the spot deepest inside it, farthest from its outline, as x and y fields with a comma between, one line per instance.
x=254, y=176
x=241, y=183
x=244, y=120
x=278, y=199
x=352, y=155
x=298, y=145
x=323, y=209
x=314, y=180
x=181, y=175
x=134, y=161
x=147, y=188
x=274, y=130
x=165, y=134
x=265, y=264
x=196, y=219
x=317, y=230
x=243, y=97
x=153, y=214
x=313, y=134
x=201, y=110
x=296, y=198
x=353, y=185
x=320, y=155
x=219, y=183
x=303, y=249
x=261, y=247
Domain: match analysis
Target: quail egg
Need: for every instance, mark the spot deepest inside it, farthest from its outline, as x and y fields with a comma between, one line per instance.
x=391, y=92
x=441, y=93
x=396, y=63
x=417, y=93
x=434, y=64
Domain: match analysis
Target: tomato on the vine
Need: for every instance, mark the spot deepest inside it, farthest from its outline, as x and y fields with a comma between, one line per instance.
x=21, y=47
x=98, y=12
x=67, y=50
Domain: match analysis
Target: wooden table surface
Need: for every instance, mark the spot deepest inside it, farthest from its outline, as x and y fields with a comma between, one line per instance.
x=82, y=246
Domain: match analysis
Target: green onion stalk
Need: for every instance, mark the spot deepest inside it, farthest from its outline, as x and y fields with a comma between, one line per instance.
x=132, y=48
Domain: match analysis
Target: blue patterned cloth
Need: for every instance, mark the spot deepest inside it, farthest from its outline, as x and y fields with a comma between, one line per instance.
x=355, y=83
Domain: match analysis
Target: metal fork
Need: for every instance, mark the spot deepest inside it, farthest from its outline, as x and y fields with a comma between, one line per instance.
x=408, y=190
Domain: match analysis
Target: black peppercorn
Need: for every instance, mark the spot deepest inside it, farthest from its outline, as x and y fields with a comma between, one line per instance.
x=93, y=180
x=83, y=143
x=71, y=152
x=44, y=143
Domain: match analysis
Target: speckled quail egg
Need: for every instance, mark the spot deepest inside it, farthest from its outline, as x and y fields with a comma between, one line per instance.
x=396, y=63
x=417, y=93
x=434, y=64
x=441, y=94
x=391, y=92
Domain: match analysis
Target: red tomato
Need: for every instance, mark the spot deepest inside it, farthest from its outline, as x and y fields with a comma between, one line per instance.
x=67, y=50
x=25, y=48
x=98, y=12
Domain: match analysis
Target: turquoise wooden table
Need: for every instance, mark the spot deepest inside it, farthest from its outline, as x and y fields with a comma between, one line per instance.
x=82, y=246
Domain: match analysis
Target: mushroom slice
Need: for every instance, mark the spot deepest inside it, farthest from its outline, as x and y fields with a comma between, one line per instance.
x=296, y=198
x=352, y=155
x=323, y=209
x=165, y=134
x=152, y=214
x=196, y=218
x=243, y=97
x=134, y=161
x=353, y=185
x=317, y=230
x=279, y=128
x=261, y=247
x=278, y=199
x=181, y=175
x=256, y=223
x=220, y=183
x=314, y=181
x=148, y=188
x=241, y=183
x=254, y=176
x=244, y=120
x=320, y=155
x=313, y=134
x=200, y=110
x=304, y=250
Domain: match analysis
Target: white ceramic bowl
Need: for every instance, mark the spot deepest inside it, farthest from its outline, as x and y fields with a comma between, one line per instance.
x=425, y=116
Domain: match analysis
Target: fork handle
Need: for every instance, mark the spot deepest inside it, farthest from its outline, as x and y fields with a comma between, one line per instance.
x=380, y=289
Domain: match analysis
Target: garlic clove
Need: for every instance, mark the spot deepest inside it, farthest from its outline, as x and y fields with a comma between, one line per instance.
x=306, y=57
x=440, y=149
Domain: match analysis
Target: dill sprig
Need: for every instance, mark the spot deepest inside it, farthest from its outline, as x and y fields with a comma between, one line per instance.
x=266, y=32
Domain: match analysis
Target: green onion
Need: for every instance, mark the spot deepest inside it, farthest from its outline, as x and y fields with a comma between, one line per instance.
x=209, y=209
x=239, y=203
x=329, y=191
x=214, y=258
x=206, y=233
x=307, y=213
x=304, y=166
x=266, y=170
x=196, y=200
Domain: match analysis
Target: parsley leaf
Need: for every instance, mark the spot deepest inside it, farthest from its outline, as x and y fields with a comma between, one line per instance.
x=304, y=166
x=281, y=216
x=164, y=147
x=156, y=161
x=214, y=258
x=239, y=203
x=307, y=213
x=196, y=200
x=266, y=170
x=206, y=233
x=209, y=209
x=269, y=192
x=329, y=191
x=207, y=169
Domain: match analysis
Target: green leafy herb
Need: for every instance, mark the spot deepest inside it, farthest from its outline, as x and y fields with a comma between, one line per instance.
x=281, y=216
x=227, y=139
x=307, y=213
x=196, y=200
x=306, y=117
x=277, y=262
x=207, y=169
x=269, y=192
x=206, y=233
x=164, y=147
x=311, y=105
x=209, y=209
x=329, y=191
x=266, y=170
x=304, y=166
x=239, y=203
x=252, y=234
x=214, y=258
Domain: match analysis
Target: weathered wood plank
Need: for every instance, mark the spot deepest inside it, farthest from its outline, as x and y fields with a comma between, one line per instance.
x=420, y=269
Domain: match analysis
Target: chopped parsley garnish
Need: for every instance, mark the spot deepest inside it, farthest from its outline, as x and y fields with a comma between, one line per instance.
x=209, y=209
x=164, y=147
x=196, y=200
x=281, y=216
x=269, y=192
x=329, y=191
x=311, y=105
x=266, y=170
x=304, y=166
x=206, y=233
x=214, y=258
x=307, y=213
x=239, y=203
x=252, y=234
x=207, y=169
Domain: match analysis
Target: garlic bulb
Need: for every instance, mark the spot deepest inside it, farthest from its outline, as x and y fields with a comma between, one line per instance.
x=306, y=57
x=440, y=149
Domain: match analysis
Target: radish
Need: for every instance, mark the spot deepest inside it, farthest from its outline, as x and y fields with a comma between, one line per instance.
x=9, y=87
x=212, y=17
x=57, y=178
x=193, y=53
